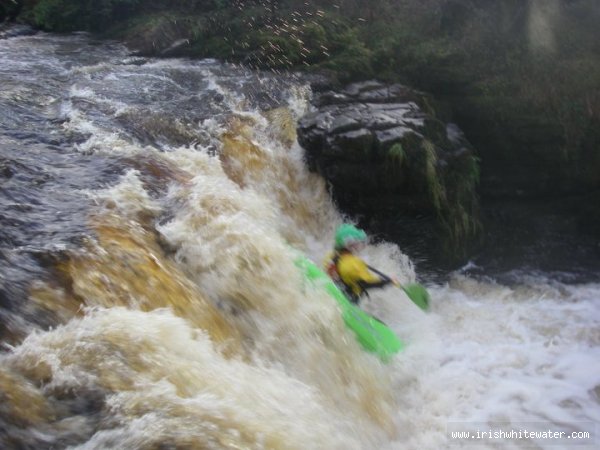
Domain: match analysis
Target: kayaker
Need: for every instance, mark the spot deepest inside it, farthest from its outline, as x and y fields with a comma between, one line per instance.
x=350, y=271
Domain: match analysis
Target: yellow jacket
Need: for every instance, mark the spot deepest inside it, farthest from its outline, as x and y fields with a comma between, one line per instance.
x=355, y=273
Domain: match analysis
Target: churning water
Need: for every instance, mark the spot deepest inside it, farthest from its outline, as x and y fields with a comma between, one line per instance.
x=151, y=211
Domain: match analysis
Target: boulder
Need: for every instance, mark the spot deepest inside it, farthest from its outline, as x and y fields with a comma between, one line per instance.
x=390, y=162
x=8, y=30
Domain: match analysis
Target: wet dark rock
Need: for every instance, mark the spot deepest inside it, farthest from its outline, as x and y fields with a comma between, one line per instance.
x=391, y=162
x=163, y=36
x=8, y=31
x=6, y=170
x=175, y=47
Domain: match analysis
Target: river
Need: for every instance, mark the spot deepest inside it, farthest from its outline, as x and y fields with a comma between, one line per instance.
x=150, y=213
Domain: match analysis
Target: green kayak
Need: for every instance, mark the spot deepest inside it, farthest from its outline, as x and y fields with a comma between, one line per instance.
x=372, y=334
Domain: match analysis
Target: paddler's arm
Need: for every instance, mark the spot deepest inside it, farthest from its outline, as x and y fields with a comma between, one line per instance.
x=365, y=278
x=374, y=284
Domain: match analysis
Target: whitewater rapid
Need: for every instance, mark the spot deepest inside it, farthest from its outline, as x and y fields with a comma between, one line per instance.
x=152, y=211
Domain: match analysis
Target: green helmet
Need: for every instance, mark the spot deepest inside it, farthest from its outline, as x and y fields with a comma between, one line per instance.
x=346, y=234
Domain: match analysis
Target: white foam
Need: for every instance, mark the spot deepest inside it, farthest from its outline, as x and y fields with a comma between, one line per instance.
x=178, y=383
x=128, y=197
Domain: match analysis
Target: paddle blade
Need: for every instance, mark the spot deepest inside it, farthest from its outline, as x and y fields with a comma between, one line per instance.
x=418, y=294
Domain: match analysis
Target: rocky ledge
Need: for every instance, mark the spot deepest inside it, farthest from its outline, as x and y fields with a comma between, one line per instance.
x=394, y=165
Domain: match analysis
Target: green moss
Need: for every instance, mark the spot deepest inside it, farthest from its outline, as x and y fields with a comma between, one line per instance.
x=453, y=195
x=461, y=220
x=396, y=155
x=434, y=184
x=395, y=160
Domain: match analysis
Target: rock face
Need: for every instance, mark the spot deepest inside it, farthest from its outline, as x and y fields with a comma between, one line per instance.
x=9, y=30
x=163, y=36
x=393, y=164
